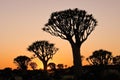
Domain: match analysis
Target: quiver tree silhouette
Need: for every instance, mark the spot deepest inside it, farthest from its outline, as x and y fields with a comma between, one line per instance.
x=22, y=62
x=100, y=57
x=116, y=60
x=74, y=26
x=43, y=50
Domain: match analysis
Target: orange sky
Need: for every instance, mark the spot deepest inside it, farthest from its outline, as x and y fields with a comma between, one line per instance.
x=21, y=22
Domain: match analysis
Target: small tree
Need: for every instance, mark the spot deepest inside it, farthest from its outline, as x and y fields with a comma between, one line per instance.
x=60, y=66
x=100, y=57
x=22, y=62
x=52, y=66
x=33, y=65
x=43, y=50
x=116, y=60
x=74, y=26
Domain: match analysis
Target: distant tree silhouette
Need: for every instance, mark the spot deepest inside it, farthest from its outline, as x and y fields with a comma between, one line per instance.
x=8, y=69
x=116, y=60
x=43, y=50
x=33, y=65
x=60, y=66
x=52, y=66
x=6, y=74
x=100, y=57
x=22, y=62
x=74, y=26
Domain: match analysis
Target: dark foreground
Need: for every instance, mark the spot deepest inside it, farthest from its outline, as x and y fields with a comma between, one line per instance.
x=89, y=73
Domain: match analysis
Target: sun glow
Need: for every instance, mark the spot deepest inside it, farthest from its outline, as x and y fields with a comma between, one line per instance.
x=21, y=23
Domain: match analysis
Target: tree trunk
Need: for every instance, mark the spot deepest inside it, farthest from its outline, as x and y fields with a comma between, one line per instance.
x=45, y=65
x=45, y=73
x=77, y=61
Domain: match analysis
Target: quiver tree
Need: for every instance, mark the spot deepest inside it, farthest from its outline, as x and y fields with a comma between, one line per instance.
x=43, y=50
x=74, y=26
x=100, y=57
x=22, y=62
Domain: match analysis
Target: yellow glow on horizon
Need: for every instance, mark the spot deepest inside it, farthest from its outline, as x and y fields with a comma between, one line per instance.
x=21, y=22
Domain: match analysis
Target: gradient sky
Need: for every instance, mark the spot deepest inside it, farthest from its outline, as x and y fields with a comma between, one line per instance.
x=21, y=22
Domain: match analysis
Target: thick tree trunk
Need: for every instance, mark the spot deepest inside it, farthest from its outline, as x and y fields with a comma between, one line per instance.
x=77, y=61
x=45, y=65
x=45, y=73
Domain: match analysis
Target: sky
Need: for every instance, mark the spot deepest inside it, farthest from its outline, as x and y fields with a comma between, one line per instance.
x=21, y=23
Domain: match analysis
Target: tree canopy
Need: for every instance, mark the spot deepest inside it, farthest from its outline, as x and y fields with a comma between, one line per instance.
x=100, y=57
x=71, y=23
x=22, y=62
